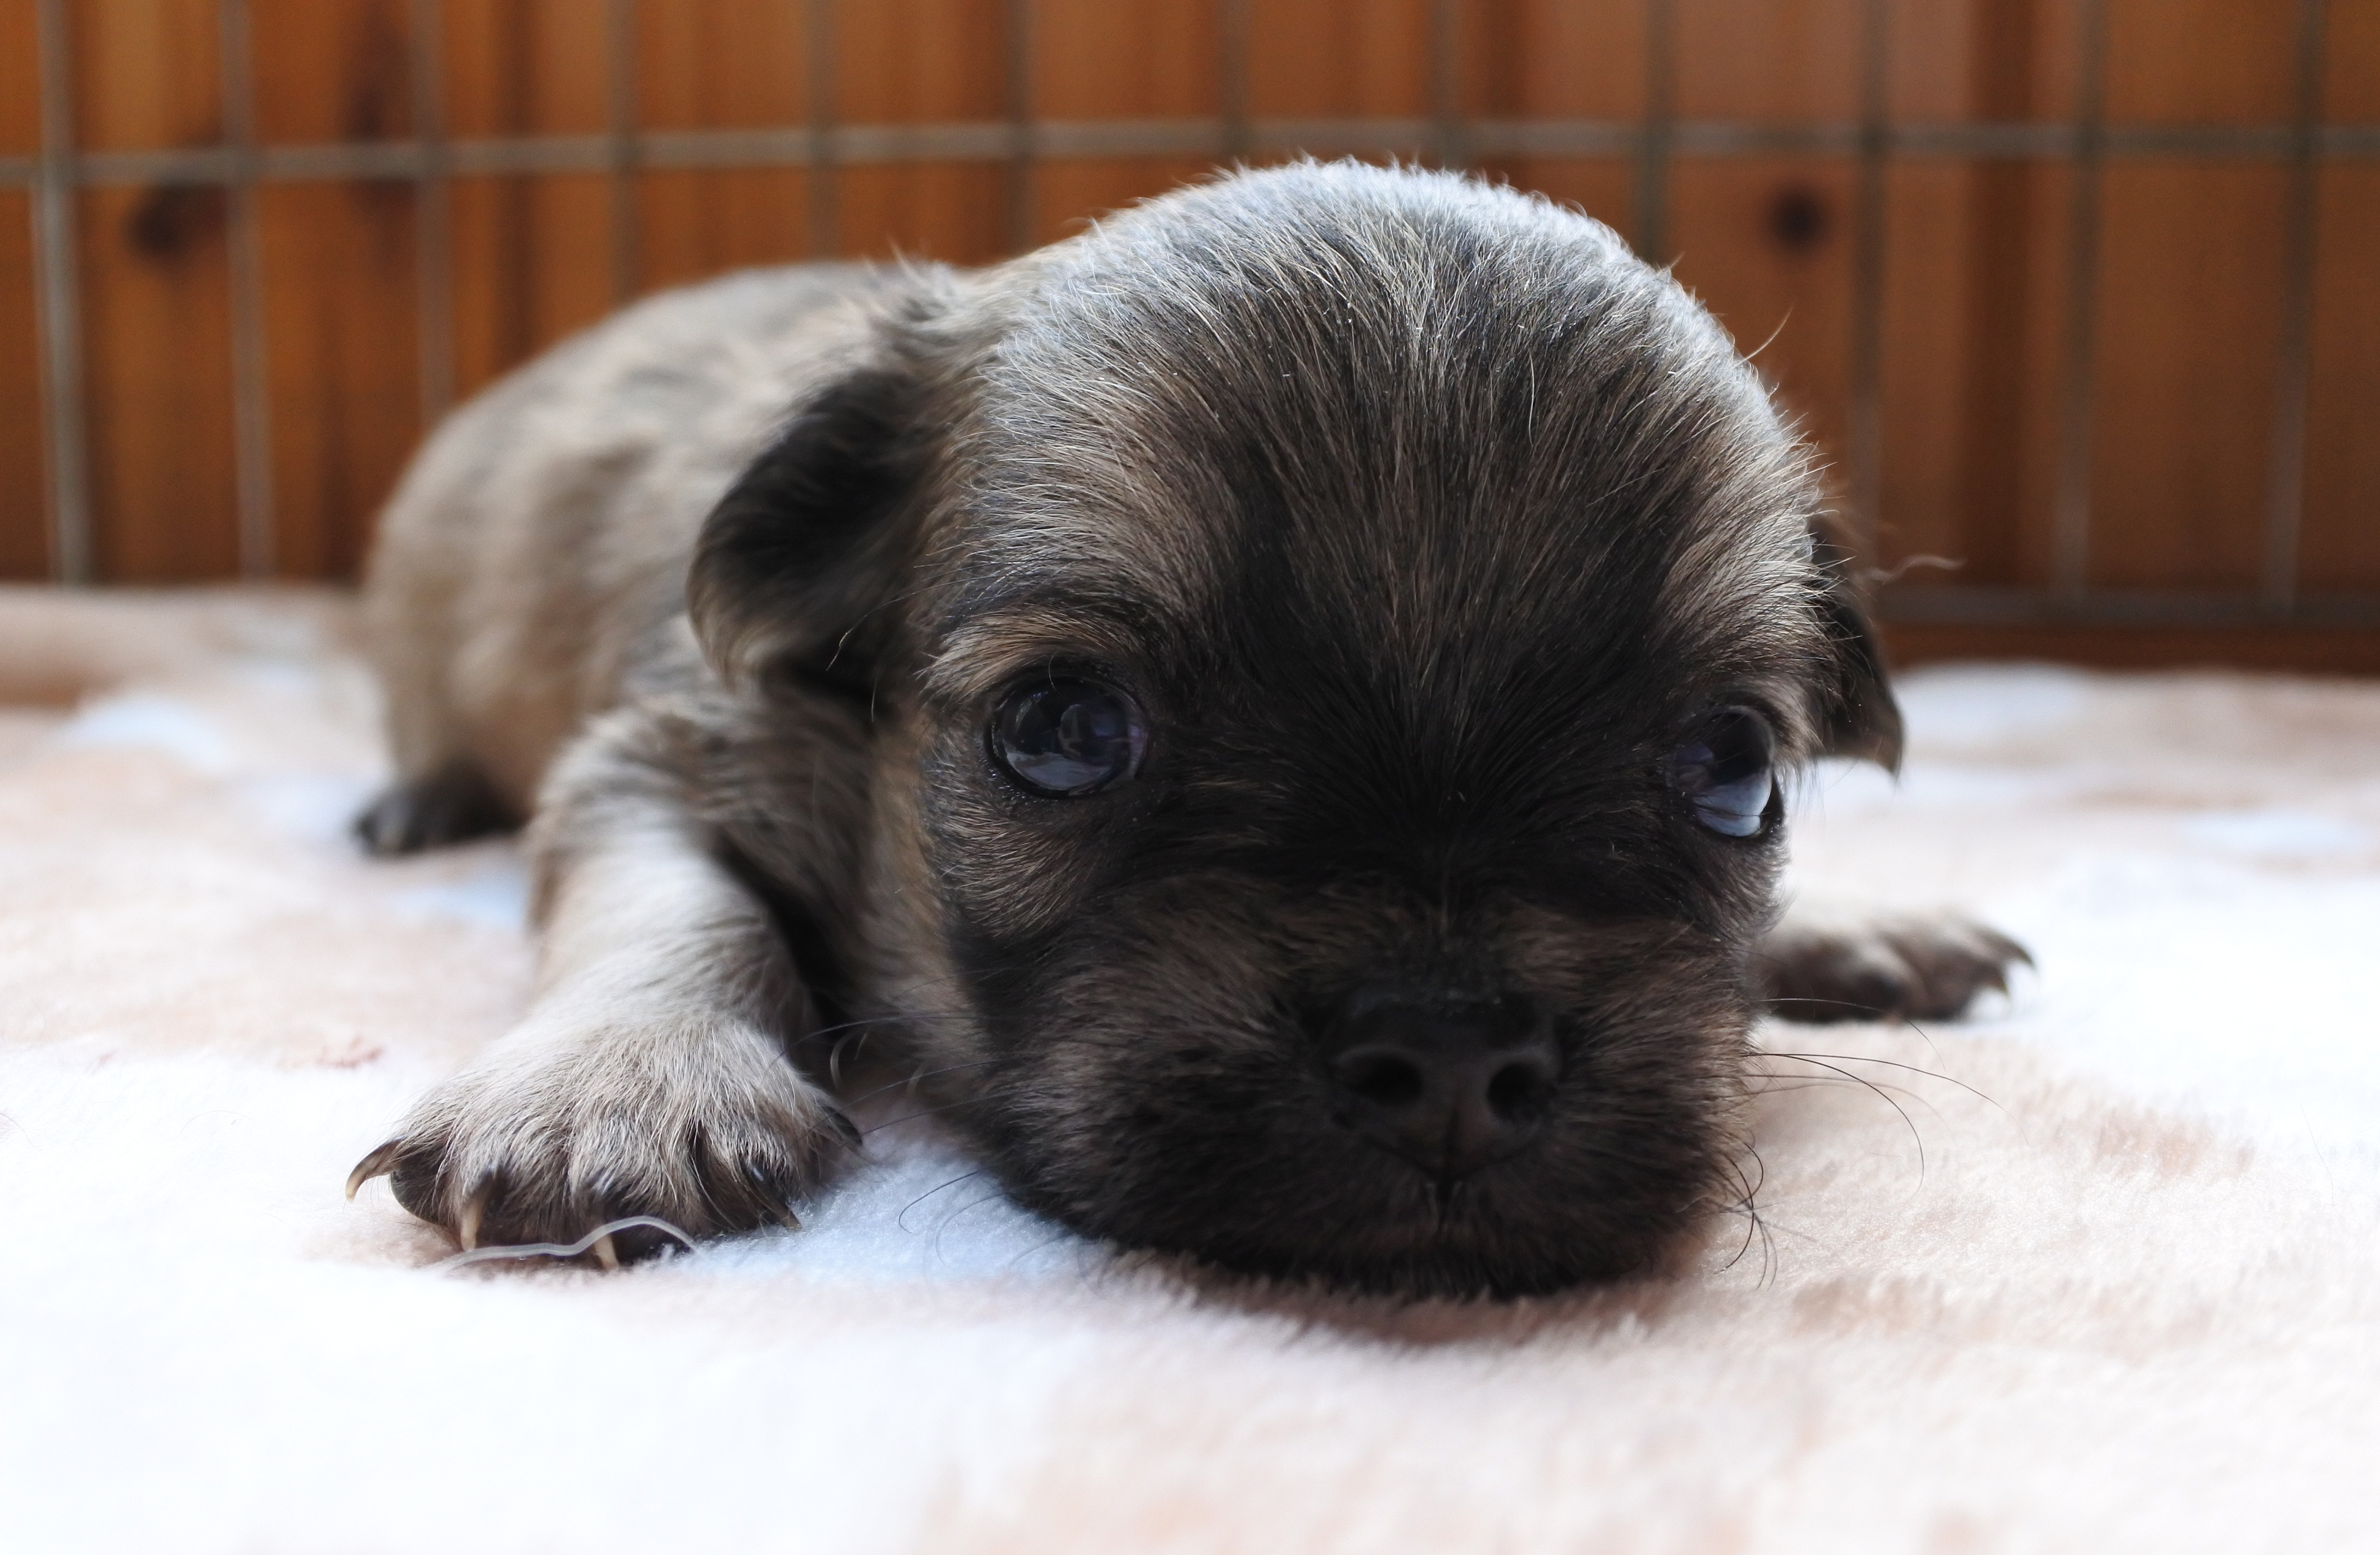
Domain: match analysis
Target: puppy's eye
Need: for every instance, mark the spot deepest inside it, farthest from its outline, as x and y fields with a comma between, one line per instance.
x=1725, y=769
x=1066, y=738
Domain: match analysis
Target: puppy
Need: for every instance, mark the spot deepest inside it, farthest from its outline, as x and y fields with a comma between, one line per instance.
x=1278, y=704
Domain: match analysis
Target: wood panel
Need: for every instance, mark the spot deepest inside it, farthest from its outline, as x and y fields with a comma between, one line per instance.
x=2341, y=548
x=1338, y=58
x=2190, y=311
x=1930, y=265
x=343, y=389
x=720, y=65
x=332, y=70
x=1769, y=61
x=520, y=66
x=1542, y=60
x=696, y=223
x=2314, y=650
x=2201, y=61
x=1094, y=59
x=921, y=61
x=24, y=538
x=20, y=87
x=156, y=324
x=533, y=263
x=533, y=256
x=147, y=75
x=1766, y=243
x=2008, y=251
x=1974, y=305
x=156, y=311
x=1550, y=59
x=2350, y=77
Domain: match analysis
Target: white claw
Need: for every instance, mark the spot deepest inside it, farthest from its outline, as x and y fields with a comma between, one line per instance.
x=372, y=1166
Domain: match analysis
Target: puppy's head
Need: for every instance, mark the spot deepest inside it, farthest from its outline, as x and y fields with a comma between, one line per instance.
x=1345, y=629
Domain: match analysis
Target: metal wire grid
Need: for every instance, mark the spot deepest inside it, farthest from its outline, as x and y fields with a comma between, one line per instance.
x=432, y=159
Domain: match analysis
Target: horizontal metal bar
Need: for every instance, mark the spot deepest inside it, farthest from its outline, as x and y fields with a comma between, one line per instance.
x=1951, y=606
x=996, y=140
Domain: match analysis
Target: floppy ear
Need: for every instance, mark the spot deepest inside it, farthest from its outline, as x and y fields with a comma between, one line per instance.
x=1857, y=714
x=793, y=567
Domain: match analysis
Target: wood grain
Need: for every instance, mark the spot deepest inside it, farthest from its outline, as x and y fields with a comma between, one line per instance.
x=20, y=87
x=2190, y=291
x=25, y=542
x=1766, y=243
x=1338, y=58
x=156, y=324
x=147, y=74
x=2342, y=549
x=342, y=370
x=332, y=70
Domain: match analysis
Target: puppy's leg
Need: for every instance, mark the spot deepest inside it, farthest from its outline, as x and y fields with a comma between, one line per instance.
x=651, y=1076
x=1829, y=965
x=453, y=804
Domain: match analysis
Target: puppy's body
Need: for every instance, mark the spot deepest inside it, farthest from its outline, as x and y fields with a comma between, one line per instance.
x=1264, y=699
x=535, y=557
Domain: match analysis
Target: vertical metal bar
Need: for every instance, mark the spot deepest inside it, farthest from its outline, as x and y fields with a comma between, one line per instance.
x=1653, y=141
x=2070, y=539
x=1019, y=96
x=825, y=182
x=1868, y=281
x=434, y=253
x=620, y=81
x=2285, y=485
x=60, y=305
x=1232, y=21
x=252, y=412
x=1450, y=147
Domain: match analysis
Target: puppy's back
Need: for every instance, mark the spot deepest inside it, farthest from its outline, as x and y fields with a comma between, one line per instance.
x=535, y=551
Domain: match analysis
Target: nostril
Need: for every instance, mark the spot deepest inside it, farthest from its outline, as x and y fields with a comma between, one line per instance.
x=1518, y=1091
x=1383, y=1078
x=1449, y=1084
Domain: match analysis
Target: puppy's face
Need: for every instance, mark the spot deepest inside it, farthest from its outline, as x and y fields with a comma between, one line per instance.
x=1363, y=621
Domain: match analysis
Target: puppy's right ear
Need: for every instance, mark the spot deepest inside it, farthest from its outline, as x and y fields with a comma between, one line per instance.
x=1861, y=717
x=795, y=565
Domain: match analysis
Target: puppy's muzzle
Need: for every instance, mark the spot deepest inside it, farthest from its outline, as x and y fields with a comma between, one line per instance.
x=1448, y=1083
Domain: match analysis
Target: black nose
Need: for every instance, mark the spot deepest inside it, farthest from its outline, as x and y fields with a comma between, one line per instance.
x=1450, y=1085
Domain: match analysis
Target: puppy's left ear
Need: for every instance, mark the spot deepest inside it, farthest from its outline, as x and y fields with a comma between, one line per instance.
x=1857, y=714
x=795, y=567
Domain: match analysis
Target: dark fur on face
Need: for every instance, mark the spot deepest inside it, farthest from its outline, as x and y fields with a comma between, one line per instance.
x=1422, y=524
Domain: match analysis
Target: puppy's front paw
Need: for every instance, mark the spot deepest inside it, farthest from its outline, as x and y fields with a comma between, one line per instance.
x=559, y=1131
x=1906, y=968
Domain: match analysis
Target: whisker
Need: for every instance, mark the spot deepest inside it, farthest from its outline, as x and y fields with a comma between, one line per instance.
x=1813, y=1081
x=949, y=1107
x=1893, y=1063
x=1752, y=1217
x=956, y=1215
x=921, y=1074
x=1861, y=1079
x=902, y=1219
x=901, y=1019
x=1801, y=1000
x=1060, y=1235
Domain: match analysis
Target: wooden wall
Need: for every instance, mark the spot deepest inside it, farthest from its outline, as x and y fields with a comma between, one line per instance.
x=2190, y=288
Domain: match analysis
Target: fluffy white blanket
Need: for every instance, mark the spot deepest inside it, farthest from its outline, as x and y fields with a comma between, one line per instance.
x=2109, y=1283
